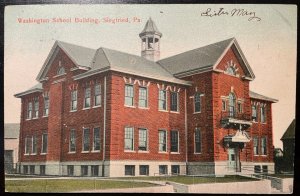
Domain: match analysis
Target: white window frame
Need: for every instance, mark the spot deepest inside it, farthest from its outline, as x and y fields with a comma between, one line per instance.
x=177, y=141
x=177, y=101
x=96, y=94
x=143, y=129
x=263, y=114
x=165, y=100
x=256, y=114
x=46, y=106
x=165, y=143
x=29, y=110
x=36, y=107
x=43, y=151
x=27, y=145
x=87, y=97
x=132, y=139
x=94, y=139
x=34, y=144
x=72, y=140
x=265, y=146
x=73, y=101
x=146, y=98
x=255, y=147
x=127, y=96
x=84, y=139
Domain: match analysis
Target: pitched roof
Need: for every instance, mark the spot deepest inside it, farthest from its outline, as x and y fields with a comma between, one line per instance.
x=108, y=59
x=261, y=97
x=36, y=88
x=290, y=132
x=203, y=59
x=150, y=27
x=11, y=130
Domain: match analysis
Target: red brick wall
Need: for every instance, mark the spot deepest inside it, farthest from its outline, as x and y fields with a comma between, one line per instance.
x=151, y=118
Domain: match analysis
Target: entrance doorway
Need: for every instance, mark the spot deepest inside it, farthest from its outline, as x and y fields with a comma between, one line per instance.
x=233, y=160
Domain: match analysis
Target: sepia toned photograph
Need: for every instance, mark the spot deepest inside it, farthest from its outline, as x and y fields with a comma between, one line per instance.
x=168, y=98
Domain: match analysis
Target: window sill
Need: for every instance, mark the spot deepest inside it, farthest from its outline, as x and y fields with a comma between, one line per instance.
x=163, y=110
x=130, y=151
x=197, y=153
x=85, y=152
x=71, y=152
x=73, y=110
x=44, y=116
x=142, y=151
x=197, y=112
x=86, y=108
x=256, y=155
x=143, y=108
x=254, y=121
x=175, y=112
x=26, y=154
x=175, y=152
x=35, y=118
x=28, y=119
x=95, y=151
x=33, y=154
x=263, y=123
x=97, y=106
x=129, y=106
x=43, y=153
x=163, y=152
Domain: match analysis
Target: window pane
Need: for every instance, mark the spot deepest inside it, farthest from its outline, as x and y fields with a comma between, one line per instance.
x=97, y=95
x=128, y=138
x=86, y=139
x=174, y=141
x=174, y=101
x=144, y=169
x=29, y=114
x=36, y=107
x=72, y=140
x=34, y=144
x=96, y=138
x=46, y=106
x=163, y=169
x=162, y=141
x=162, y=100
x=142, y=97
x=129, y=170
x=129, y=95
x=197, y=103
x=45, y=143
x=197, y=140
x=143, y=139
x=74, y=100
x=87, y=97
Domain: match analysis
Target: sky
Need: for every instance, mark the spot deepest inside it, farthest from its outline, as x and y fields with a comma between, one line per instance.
x=268, y=42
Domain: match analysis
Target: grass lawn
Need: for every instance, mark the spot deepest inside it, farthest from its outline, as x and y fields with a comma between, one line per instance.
x=67, y=185
x=196, y=179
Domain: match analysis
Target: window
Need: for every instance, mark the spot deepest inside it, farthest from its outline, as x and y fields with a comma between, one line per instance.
x=174, y=101
x=175, y=169
x=197, y=103
x=263, y=114
x=129, y=170
x=70, y=170
x=97, y=100
x=44, y=142
x=95, y=170
x=86, y=139
x=34, y=144
x=223, y=105
x=42, y=169
x=72, y=147
x=162, y=100
x=96, y=142
x=36, y=107
x=128, y=95
x=230, y=70
x=87, y=97
x=143, y=137
x=240, y=108
x=61, y=70
x=25, y=169
x=144, y=170
x=27, y=145
x=84, y=170
x=265, y=169
x=255, y=145
x=163, y=169
x=174, y=141
x=197, y=140
x=162, y=141
x=231, y=105
x=29, y=111
x=128, y=139
x=264, y=146
x=257, y=169
x=32, y=169
x=254, y=113
x=143, y=97
x=46, y=105
x=74, y=100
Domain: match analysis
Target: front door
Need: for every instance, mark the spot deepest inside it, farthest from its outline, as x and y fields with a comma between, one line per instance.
x=231, y=159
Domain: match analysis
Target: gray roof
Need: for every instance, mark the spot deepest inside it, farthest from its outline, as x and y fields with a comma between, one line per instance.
x=11, y=130
x=261, y=97
x=82, y=56
x=108, y=59
x=204, y=57
x=290, y=132
x=36, y=88
x=150, y=27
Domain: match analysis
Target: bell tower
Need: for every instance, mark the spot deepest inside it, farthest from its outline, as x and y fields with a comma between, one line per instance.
x=150, y=37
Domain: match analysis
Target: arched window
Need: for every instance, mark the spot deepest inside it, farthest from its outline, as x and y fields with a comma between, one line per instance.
x=61, y=70
x=230, y=70
x=231, y=104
